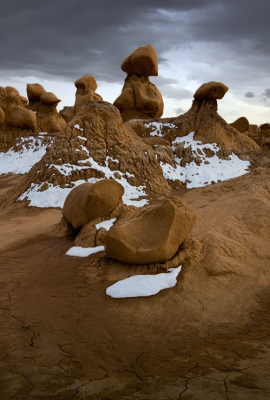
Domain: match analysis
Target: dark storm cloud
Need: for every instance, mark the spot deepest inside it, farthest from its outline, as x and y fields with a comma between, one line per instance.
x=68, y=39
x=249, y=94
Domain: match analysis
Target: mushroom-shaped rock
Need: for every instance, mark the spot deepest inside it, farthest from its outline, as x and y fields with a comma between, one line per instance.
x=211, y=90
x=91, y=200
x=49, y=98
x=87, y=82
x=2, y=117
x=142, y=61
x=34, y=91
x=152, y=234
x=86, y=87
x=241, y=124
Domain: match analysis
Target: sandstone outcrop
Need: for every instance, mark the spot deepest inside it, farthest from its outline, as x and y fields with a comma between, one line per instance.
x=16, y=115
x=211, y=90
x=265, y=130
x=2, y=117
x=48, y=119
x=152, y=235
x=241, y=124
x=140, y=98
x=34, y=93
x=92, y=200
x=24, y=101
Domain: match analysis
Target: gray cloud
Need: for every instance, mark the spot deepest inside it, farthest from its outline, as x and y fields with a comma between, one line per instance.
x=179, y=111
x=67, y=39
x=249, y=94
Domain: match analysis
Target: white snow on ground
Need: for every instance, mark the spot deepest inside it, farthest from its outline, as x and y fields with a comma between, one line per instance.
x=78, y=251
x=106, y=224
x=55, y=196
x=204, y=174
x=143, y=285
x=20, y=162
x=158, y=128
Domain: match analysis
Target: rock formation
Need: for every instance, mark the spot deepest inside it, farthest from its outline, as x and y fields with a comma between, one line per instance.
x=241, y=124
x=92, y=200
x=34, y=93
x=86, y=87
x=211, y=90
x=140, y=98
x=48, y=118
x=152, y=235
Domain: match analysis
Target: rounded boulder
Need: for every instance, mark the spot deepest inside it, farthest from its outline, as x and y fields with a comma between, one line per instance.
x=241, y=124
x=34, y=91
x=92, y=200
x=49, y=98
x=151, y=235
x=211, y=90
x=142, y=61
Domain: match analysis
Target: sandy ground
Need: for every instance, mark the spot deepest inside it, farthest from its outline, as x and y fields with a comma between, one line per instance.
x=206, y=338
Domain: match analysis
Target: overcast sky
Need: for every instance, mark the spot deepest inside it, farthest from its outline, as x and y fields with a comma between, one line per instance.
x=57, y=41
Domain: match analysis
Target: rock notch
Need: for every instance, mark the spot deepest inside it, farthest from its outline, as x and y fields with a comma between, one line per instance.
x=140, y=98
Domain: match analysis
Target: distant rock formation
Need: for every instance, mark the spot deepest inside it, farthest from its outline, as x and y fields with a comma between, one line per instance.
x=151, y=235
x=86, y=91
x=241, y=124
x=16, y=115
x=140, y=98
x=34, y=92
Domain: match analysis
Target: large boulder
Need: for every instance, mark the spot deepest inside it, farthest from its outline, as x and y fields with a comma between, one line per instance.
x=18, y=117
x=142, y=61
x=92, y=200
x=241, y=124
x=151, y=235
x=211, y=90
x=86, y=82
x=34, y=91
x=49, y=98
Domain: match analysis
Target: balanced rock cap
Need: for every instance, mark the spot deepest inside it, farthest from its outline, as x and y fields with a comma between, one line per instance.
x=241, y=124
x=142, y=61
x=87, y=82
x=211, y=90
x=49, y=98
x=34, y=91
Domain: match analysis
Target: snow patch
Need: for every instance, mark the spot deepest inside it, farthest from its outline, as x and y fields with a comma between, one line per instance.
x=143, y=285
x=20, y=162
x=78, y=251
x=158, y=128
x=106, y=224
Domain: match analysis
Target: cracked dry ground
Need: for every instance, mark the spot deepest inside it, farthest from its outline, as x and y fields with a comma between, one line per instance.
x=206, y=338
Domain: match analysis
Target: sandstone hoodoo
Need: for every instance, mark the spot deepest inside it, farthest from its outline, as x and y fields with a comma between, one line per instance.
x=241, y=124
x=16, y=115
x=152, y=235
x=140, y=98
x=91, y=200
x=34, y=93
x=48, y=118
x=86, y=91
x=211, y=90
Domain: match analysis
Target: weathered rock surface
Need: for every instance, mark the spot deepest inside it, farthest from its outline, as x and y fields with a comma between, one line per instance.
x=49, y=98
x=151, y=235
x=2, y=117
x=142, y=61
x=211, y=90
x=92, y=200
x=34, y=92
x=241, y=124
x=140, y=98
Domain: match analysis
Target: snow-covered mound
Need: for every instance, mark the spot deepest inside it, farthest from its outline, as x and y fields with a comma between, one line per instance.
x=21, y=157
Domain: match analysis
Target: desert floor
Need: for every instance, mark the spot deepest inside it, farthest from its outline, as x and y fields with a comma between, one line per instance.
x=208, y=337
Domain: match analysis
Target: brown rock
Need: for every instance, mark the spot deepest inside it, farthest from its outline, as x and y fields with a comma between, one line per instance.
x=91, y=200
x=67, y=113
x=2, y=117
x=24, y=100
x=139, y=99
x=253, y=129
x=19, y=117
x=152, y=234
x=87, y=82
x=241, y=124
x=34, y=91
x=142, y=61
x=49, y=98
x=211, y=90
x=156, y=141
